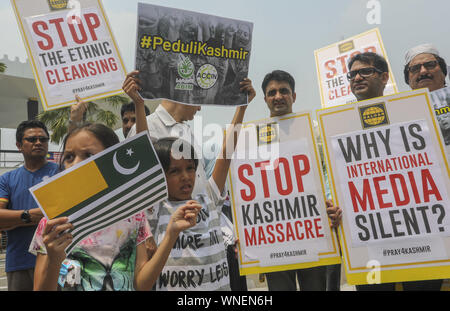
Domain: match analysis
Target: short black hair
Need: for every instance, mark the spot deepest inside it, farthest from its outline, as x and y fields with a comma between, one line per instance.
x=280, y=76
x=440, y=61
x=28, y=125
x=370, y=58
x=163, y=148
x=130, y=107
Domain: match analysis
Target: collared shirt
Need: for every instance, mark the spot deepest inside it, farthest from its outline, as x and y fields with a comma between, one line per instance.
x=161, y=125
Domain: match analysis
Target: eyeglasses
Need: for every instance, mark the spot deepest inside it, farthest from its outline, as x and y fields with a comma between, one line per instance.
x=33, y=139
x=363, y=72
x=428, y=65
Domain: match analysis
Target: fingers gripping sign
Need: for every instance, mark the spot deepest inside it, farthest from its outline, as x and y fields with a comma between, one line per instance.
x=56, y=238
x=334, y=213
x=132, y=86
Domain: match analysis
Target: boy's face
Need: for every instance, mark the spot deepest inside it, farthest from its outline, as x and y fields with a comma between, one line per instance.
x=180, y=178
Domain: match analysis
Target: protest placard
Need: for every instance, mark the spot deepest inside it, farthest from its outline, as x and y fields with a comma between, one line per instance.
x=389, y=174
x=71, y=49
x=332, y=67
x=278, y=197
x=441, y=102
x=192, y=58
x=110, y=186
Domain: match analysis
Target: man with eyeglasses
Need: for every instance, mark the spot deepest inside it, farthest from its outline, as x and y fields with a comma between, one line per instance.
x=425, y=68
x=19, y=214
x=368, y=75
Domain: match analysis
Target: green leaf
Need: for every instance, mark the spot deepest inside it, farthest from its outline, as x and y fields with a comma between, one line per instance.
x=57, y=120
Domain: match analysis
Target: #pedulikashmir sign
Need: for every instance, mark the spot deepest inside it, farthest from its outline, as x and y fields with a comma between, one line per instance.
x=390, y=176
x=192, y=58
x=71, y=49
x=332, y=67
x=110, y=186
x=278, y=197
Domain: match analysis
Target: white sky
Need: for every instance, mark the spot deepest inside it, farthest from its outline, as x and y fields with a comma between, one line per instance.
x=286, y=33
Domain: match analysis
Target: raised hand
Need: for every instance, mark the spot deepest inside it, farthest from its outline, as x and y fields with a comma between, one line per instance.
x=131, y=86
x=77, y=111
x=247, y=87
x=185, y=217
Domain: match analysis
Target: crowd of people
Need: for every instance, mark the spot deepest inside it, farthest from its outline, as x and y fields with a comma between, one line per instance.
x=170, y=246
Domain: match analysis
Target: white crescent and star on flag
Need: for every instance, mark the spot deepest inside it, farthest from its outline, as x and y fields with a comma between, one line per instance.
x=122, y=170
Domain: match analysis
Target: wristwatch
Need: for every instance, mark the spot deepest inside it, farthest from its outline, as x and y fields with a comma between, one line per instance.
x=26, y=217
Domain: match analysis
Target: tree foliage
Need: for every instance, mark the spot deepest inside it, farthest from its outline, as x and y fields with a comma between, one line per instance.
x=57, y=121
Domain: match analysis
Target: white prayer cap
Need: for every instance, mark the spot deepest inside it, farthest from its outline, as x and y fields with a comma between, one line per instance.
x=421, y=49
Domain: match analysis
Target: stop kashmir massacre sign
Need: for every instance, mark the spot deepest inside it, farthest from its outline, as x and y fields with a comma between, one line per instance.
x=278, y=197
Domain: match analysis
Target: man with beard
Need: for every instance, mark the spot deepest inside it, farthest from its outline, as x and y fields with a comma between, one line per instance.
x=368, y=75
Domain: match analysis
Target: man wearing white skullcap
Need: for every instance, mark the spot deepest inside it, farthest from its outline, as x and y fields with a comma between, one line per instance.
x=425, y=68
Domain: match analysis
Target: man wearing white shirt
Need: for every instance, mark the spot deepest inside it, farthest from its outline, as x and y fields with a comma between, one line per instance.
x=169, y=120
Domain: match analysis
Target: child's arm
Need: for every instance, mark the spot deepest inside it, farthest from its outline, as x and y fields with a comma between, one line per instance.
x=223, y=162
x=131, y=87
x=148, y=271
x=77, y=112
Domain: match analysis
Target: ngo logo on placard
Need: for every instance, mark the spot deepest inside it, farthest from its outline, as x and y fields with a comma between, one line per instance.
x=186, y=68
x=373, y=115
x=57, y=4
x=346, y=47
x=207, y=76
x=268, y=133
x=186, y=71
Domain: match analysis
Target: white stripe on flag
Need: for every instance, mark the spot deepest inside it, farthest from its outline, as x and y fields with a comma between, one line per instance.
x=124, y=187
x=123, y=207
x=78, y=237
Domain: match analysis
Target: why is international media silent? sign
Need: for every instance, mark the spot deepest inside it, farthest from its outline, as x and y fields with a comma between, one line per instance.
x=109, y=187
x=277, y=194
x=389, y=173
x=192, y=58
x=332, y=67
x=71, y=49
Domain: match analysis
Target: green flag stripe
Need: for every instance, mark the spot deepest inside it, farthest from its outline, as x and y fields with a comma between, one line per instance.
x=142, y=155
x=121, y=199
x=117, y=216
x=81, y=236
x=105, y=209
x=103, y=195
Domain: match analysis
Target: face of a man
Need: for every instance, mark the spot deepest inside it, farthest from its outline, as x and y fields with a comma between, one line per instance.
x=432, y=78
x=279, y=98
x=30, y=146
x=128, y=120
x=368, y=87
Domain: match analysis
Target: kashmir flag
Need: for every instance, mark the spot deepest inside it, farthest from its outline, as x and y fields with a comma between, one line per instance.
x=109, y=187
